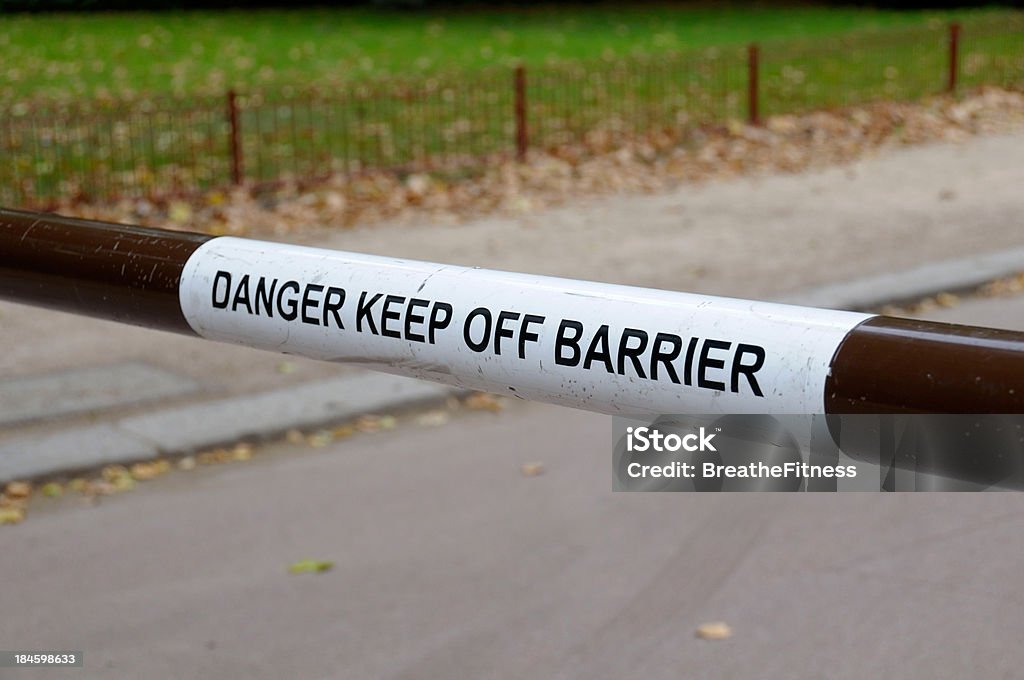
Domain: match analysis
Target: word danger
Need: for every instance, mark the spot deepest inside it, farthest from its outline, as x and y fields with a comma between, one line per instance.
x=310, y=303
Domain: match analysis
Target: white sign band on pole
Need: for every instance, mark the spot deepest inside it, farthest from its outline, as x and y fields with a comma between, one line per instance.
x=601, y=347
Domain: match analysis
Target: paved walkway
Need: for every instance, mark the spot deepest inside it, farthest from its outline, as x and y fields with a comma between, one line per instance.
x=450, y=563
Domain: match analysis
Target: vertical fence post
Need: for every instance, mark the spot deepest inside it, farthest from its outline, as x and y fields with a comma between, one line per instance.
x=236, y=138
x=522, y=134
x=753, y=85
x=954, y=56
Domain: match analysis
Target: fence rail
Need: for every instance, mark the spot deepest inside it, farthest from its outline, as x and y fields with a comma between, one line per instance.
x=161, y=146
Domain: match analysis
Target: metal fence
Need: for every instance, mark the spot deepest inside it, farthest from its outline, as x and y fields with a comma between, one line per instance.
x=460, y=122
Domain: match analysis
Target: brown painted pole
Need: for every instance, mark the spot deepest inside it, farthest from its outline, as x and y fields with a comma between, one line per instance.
x=954, y=56
x=522, y=133
x=236, y=138
x=892, y=365
x=110, y=271
x=753, y=84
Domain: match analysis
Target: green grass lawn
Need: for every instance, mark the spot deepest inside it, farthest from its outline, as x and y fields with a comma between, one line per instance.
x=125, y=55
x=338, y=90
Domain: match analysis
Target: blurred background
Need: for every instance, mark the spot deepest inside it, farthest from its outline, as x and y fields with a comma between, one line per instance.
x=167, y=105
x=178, y=508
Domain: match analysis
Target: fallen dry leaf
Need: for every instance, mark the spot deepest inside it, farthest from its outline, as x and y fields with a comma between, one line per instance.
x=124, y=484
x=368, y=423
x=242, y=452
x=114, y=472
x=320, y=439
x=432, y=419
x=179, y=212
x=51, y=490
x=187, y=463
x=11, y=515
x=18, y=489
x=13, y=502
x=715, y=630
x=1009, y=285
x=483, y=401
x=215, y=457
x=343, y=431
x=310, y=566
x=532, y=469
x=145, y=471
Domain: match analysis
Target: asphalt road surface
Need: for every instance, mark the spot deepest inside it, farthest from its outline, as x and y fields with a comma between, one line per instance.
x=450, y=563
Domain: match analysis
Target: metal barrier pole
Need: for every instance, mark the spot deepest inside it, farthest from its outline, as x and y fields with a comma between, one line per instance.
x=600, y=347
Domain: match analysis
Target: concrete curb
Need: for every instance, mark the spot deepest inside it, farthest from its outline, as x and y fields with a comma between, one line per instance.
x=948, y=276
x=183, y=429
